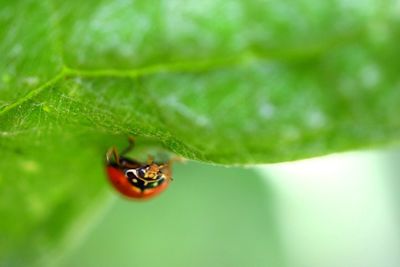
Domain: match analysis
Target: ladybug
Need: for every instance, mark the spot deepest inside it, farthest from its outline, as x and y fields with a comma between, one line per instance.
x=134, y=179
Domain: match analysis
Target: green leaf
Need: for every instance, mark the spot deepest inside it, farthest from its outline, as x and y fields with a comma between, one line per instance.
x=230, y=82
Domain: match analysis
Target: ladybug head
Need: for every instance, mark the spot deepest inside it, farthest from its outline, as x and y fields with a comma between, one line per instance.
x=151, y=171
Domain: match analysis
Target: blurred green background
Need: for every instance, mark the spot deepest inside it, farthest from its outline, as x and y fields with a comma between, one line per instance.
x=339, y=210
x=210, y=216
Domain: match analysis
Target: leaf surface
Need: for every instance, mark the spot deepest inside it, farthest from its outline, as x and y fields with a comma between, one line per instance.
x=230, y=82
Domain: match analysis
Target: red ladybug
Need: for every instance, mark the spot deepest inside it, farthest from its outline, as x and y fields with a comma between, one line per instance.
x=134, y=179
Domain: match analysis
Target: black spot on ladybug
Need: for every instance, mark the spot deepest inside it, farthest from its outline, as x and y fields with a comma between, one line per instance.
x=141, y=173
x=130, y=174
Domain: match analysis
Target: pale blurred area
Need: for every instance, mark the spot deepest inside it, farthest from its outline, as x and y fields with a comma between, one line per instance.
x=335, y=211
x=339, y=210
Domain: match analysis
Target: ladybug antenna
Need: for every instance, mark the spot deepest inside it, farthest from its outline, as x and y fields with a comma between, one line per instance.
x=131, y=145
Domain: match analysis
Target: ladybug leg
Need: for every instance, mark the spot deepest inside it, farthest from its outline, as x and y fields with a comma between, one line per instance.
x=167, y=166
x=175, y=159
x=131, y=145
x=150, y=160
x=166, y=169
x=113, y=153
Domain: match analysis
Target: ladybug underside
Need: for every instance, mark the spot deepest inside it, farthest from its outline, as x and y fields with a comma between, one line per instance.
x=135, y=173
x=135, y=179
